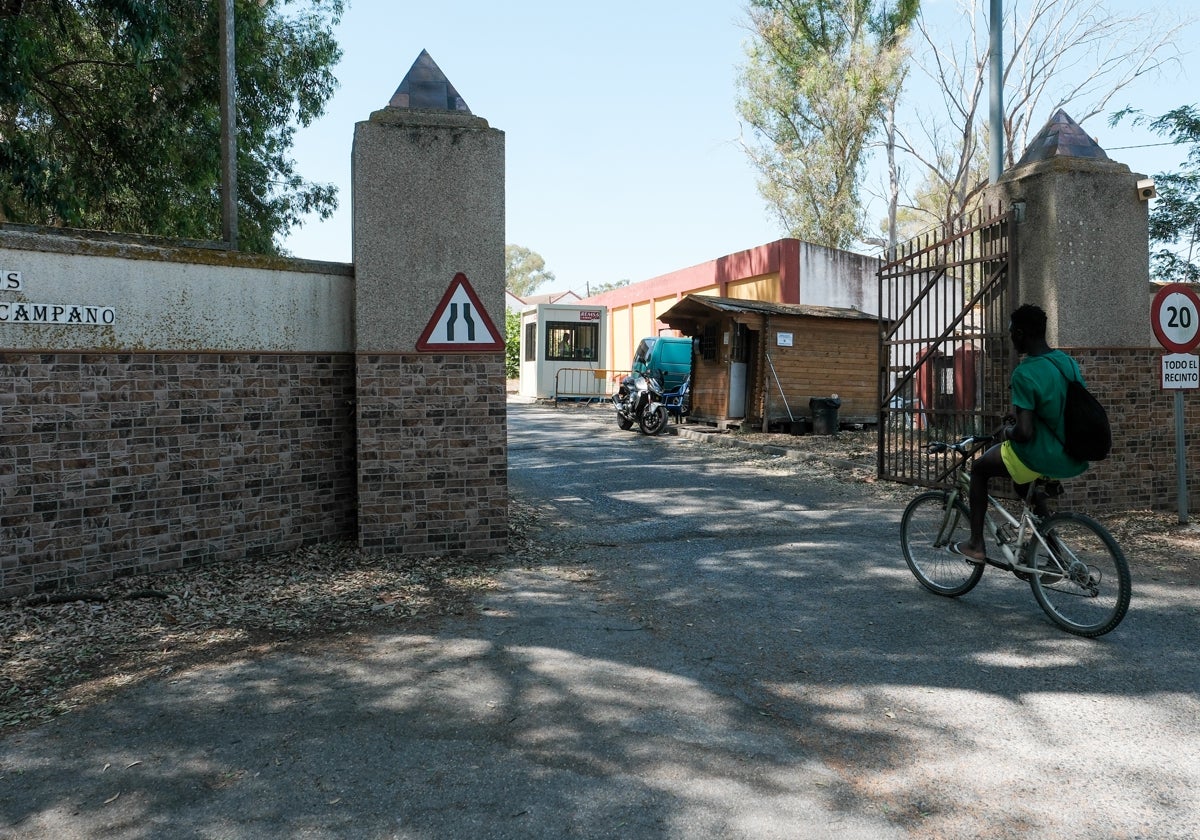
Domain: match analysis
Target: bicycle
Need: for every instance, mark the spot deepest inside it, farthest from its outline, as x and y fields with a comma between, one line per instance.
x=1078, y=573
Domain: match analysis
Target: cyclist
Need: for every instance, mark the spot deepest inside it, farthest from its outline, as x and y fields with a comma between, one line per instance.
x=1031, y=438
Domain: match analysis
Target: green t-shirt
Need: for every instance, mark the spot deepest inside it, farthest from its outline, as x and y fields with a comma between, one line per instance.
x=1039, y=384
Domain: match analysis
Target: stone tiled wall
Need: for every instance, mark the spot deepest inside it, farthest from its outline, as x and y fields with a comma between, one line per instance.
x=432, y=470
x=116, y=463
x=1140, y=473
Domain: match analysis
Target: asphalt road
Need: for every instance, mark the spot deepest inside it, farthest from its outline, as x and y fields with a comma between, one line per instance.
x=703, y=642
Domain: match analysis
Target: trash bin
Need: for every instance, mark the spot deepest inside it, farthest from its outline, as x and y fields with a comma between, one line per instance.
x=825, y=414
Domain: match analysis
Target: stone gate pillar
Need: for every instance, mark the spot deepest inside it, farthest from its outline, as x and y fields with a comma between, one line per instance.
x=428, y=215
x=1082, y=238
x=1083, y=256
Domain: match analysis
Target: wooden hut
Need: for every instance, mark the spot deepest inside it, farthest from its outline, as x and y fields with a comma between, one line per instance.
x=759, y=364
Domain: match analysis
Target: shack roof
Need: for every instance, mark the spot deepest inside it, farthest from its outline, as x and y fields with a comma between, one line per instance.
x=697, y=307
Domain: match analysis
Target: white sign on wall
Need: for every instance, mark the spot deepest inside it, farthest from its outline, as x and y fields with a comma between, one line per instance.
x=783, y=339
x=1180, y=371
x=70, y=314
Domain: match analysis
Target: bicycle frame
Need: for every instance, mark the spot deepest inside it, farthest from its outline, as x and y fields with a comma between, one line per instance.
x=1025, y=527
x=1067, y=558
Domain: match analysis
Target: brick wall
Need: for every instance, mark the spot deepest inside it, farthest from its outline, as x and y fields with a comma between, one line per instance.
x=1140, y=473
x=433, y=470
x=115, y=463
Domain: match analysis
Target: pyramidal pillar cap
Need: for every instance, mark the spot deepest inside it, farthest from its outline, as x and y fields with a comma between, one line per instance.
x=1062, y=142
x=426, y=87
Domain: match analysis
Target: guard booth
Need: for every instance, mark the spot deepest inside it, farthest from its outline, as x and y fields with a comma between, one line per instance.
x=563, y=351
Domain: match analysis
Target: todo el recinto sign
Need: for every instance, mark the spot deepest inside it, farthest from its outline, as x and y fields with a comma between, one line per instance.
x=1180, y=371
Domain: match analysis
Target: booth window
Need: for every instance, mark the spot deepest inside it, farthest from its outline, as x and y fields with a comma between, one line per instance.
x=531, y=342
x=567, y=342
x=708, y=342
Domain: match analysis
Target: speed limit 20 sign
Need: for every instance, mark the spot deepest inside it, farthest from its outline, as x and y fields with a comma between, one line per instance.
x=1175, y=317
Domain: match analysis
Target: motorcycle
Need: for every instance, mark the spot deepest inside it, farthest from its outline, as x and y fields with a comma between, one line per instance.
x=639, y=399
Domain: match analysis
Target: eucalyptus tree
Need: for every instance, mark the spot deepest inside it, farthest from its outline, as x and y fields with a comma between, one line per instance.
x=109, y=114
x=1175, y=214
x=817, y=83
x=524, y=270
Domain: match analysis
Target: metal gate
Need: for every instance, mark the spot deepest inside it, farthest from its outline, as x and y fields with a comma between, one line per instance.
x=944, y=354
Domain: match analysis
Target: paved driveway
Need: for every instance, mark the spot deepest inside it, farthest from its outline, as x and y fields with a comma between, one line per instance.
x=704, y=643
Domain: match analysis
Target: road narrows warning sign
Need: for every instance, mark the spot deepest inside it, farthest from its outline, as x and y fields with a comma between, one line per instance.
x=460, y=323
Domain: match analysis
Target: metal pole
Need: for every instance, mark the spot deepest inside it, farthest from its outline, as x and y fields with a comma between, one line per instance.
x=1180, y=460
x=229, y=226
x=996, y=145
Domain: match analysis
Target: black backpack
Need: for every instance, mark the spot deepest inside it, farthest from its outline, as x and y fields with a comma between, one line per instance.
x=1085, y=422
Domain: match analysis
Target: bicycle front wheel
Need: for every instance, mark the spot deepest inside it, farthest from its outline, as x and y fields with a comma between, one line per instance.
x=926, y=532
x=1085, y=588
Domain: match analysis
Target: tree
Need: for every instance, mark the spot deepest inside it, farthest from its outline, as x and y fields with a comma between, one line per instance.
x=1071, y=54
x=512, y=345
x=109, y=114
x=818, y=79
x=524, y=270
x=601, y=288
x=1175, y=215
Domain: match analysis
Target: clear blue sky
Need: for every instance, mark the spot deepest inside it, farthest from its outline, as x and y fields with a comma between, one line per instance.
x=620, y=128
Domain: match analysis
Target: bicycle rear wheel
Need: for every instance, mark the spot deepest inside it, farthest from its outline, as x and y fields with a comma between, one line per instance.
x=1087, y=590
x=926, y=532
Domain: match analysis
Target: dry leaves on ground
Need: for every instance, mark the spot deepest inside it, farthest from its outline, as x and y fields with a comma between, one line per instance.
x=57, y=653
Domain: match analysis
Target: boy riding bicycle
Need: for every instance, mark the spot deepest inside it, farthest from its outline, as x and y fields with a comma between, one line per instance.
x=1031, y=441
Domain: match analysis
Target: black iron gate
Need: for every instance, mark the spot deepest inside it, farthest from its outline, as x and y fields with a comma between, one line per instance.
x=944, y=354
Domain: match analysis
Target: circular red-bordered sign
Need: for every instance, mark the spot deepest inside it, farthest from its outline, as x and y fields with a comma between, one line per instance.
x=1175, y=317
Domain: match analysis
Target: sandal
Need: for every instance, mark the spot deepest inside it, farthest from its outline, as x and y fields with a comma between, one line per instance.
x=957, y=548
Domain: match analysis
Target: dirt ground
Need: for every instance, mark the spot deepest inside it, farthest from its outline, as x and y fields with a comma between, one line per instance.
x=63, y=651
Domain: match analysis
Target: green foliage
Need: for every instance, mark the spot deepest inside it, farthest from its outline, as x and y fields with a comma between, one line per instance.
x=109, y=114
x=601, y=288
x=1175, y=215
x=512, y=345
x=819, y=76
x=524, y=270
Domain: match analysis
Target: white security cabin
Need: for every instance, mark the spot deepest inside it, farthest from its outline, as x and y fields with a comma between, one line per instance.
x=563, y=348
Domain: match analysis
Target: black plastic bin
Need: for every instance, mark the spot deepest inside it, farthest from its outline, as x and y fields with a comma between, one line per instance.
x=825, y=414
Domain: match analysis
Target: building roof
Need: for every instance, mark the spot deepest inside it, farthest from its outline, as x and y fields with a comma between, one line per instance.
x=551, y=297
x=699, y=306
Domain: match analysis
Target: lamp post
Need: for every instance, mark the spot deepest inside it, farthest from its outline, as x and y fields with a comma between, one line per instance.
x=996, y=145
x=229, y=227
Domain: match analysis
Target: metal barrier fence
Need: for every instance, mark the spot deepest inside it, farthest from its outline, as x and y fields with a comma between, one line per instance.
x=586, y=384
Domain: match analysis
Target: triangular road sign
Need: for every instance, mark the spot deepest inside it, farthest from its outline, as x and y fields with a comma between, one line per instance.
x=460, y=323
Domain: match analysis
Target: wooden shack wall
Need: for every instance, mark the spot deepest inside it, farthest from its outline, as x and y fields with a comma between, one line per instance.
x=828, y=356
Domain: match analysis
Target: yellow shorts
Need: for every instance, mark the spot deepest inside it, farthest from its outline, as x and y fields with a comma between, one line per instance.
x=1020, y=473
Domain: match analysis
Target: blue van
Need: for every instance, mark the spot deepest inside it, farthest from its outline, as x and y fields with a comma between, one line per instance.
x=664, y=356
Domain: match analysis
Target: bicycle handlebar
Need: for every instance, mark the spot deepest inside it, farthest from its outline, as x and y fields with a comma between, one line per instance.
x=964, y=446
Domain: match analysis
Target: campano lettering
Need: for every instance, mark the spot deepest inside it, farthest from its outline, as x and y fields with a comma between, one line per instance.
x=53, y=313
